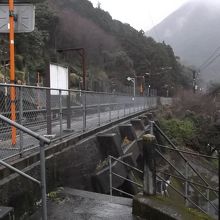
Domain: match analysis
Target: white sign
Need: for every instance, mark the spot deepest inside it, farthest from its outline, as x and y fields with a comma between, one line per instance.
x=58, y=79
x=24, y=16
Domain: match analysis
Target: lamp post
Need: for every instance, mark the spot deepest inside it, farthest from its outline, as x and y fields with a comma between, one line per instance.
x=148, y=90
x=148, y=87
x=133, y=81
x=82, y=54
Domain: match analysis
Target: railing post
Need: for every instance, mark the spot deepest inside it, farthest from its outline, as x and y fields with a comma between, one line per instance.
x=129, y=108
x=61, y=113
x=99, y=110
x=110, y=175
x=149, y=164
x=48, y=107
x=124, y=109
x=145, y=103
x=84, y=110
x=186, y=184
x=21, y=119
x=118, y=110
x=68, y=122
x=134, y=110
x=43, y=180
x=151, y=127
x=110, y=113
x=208, y=201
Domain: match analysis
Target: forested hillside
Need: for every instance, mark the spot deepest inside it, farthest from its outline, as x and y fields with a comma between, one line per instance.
x=113, y=50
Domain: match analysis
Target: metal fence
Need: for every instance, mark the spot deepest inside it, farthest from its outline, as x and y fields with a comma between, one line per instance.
x=60, y=113
x=185, y=180
x=111, y=161
x=175, y=175
x=42, y=142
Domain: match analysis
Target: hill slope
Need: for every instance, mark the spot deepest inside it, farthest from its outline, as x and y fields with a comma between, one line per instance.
x=113, y=50
x=193, y=31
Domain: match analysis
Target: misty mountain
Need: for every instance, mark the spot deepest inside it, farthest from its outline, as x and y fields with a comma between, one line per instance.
x=193, y=31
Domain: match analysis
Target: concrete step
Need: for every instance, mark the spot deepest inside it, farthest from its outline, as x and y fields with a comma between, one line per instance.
x=82, y=205
x=6, y=213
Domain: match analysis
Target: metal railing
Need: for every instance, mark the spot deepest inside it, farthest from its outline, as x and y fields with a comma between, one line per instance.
x=56, y=112
x=186, y=177
x=42, y=141
x=111, y=160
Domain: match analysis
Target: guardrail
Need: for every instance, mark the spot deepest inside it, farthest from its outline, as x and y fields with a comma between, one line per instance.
x=42, y=141
x=186, y=177
x=111, y=159
x=156, y=178
x=60, y=113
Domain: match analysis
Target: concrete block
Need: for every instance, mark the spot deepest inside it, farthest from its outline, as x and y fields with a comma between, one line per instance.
x=150, y=116
x=110, y=144
x=6, y=213
x=144, y=119
x=101, y=182
x=137, y=124
x=133, y=148
x=127, y=131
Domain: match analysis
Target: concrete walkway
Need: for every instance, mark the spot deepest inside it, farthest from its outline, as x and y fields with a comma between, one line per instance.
x=71, y=204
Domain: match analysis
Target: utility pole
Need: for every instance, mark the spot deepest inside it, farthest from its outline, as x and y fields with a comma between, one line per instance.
x=12, y=67
x=194, y=81
x=81, y=52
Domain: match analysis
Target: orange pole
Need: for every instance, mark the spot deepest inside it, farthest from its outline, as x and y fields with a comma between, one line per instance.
x=12, y=68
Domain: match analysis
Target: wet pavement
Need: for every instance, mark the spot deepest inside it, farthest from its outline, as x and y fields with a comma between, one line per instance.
x=74, y=204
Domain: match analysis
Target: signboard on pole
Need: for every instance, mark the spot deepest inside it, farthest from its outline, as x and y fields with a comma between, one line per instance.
x=59, y=79
x=24, y=18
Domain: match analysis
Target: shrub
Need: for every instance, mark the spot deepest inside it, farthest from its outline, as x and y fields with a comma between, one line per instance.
x=179, y=130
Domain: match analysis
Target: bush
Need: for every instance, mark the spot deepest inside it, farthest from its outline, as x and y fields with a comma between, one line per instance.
x=179, y=130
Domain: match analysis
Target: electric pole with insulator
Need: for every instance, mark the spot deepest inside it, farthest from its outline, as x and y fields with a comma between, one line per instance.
x=194, y=81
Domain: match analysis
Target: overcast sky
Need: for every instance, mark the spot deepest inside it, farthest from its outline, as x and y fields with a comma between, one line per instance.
x=140, y=14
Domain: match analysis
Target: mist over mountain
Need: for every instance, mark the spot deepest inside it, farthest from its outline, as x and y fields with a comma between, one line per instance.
x=193, y=31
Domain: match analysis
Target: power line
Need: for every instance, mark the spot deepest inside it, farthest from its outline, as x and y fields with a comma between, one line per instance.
x=210, y=62
x=209, y=58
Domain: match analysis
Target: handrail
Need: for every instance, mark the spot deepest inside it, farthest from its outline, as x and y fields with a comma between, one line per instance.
x=77, y=107
x=181, y=152
x=126, y=164
x=65, y=90
x=174, y=188
x=19, y=172
x=187, y=152
x=190, y=182
x=183, y=157
x=43, y=140
x=26, y=130
x=111, y=173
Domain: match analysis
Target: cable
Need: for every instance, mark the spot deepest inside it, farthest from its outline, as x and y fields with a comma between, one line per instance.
x=210, y=57
x=210, y=62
